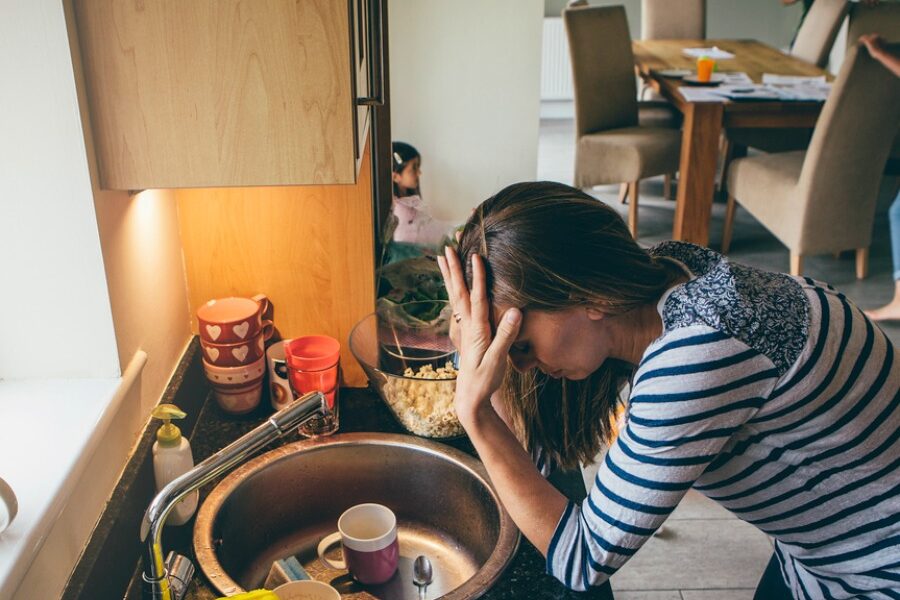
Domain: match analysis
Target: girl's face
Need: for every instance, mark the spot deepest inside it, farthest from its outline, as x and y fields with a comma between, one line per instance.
x=408, y=178
x=568, y=343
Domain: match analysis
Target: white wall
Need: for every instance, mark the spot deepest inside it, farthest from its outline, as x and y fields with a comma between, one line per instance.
x=465, y=91
x=55, y=314
x=89, y=278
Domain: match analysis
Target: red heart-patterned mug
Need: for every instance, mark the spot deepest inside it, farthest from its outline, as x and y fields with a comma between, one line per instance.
x=234, y=320
x=234, y=355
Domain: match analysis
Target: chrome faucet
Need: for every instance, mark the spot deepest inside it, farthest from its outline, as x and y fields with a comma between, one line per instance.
x=169, y=580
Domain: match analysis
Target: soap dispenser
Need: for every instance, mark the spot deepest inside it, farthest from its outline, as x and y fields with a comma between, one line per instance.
x=172, y=458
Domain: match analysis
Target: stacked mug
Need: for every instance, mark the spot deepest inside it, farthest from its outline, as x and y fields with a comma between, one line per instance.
x=233, y=336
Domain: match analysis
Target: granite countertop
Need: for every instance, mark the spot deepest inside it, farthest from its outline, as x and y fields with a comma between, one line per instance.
x=362, y=410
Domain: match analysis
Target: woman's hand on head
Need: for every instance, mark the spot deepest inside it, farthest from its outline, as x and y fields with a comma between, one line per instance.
x=482, y=353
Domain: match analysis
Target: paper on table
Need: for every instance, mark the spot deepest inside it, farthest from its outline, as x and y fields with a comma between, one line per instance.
x=745, y=92
x=693, y=94
x=804, y=92
x=736, y=78
x=714, y=53
x=795, y=93
x=731, y=79
x=791, y=79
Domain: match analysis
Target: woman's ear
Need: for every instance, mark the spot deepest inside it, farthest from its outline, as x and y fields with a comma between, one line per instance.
x=594, y=314
x=395, y=176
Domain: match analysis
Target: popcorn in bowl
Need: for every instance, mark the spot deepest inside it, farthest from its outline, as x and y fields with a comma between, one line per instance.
x=409, y=362
x=422, y=400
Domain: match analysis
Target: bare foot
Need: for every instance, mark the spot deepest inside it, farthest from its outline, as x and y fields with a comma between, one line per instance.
x=888, y=312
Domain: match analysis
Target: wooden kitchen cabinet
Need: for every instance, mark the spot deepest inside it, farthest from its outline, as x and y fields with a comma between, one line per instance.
x=203, y=93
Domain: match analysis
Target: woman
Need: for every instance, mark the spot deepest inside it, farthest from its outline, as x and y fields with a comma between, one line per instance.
x=771, y=394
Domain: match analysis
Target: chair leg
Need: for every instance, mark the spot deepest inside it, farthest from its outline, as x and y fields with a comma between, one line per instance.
x=729, y=224
x=633, y=208
x=796, y=264
x=732, y=151
x=667, y=186
x=623, y=193
x=725, y=151
x=862, y=263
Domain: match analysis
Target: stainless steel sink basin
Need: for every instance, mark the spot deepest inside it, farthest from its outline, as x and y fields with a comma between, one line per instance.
x=283, y=502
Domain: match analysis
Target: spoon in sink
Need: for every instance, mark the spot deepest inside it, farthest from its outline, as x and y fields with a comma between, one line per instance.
x=422, y=573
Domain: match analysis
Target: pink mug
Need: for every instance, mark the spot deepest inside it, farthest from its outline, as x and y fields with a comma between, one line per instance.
x=234, y=320
x=237, y=389
x=234, y=355
x=368, y=536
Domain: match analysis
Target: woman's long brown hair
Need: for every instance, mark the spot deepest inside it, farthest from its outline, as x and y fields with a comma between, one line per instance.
x=550, y=247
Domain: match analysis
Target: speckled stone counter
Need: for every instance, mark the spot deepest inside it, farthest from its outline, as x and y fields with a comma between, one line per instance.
x=361, y=410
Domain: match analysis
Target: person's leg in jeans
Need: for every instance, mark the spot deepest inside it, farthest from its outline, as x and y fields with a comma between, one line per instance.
x=891, y=311
x=771, y=584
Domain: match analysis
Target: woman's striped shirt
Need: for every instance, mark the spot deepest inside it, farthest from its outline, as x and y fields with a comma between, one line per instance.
x=774, y=396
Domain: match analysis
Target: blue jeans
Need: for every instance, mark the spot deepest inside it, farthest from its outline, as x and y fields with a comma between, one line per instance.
x=894, y=221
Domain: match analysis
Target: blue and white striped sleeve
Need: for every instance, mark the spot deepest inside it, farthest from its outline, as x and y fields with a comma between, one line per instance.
x=694, y=388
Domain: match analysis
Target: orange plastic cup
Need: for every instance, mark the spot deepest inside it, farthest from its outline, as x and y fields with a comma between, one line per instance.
x=705, y=68
x=313, y=366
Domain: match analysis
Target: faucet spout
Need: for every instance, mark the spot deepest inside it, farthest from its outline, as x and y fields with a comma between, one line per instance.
x=157, y=584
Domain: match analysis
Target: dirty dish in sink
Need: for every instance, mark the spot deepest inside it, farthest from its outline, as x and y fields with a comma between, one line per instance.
x=306, y=590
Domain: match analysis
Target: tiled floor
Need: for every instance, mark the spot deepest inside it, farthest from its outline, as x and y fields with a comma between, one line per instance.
x=706, y=553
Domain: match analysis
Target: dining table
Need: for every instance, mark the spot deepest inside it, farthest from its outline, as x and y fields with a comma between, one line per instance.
x=704, y=121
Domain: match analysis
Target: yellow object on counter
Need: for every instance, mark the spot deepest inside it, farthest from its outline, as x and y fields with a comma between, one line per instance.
x=254, y=595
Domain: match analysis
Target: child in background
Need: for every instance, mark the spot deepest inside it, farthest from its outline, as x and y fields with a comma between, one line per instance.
x=414, y=225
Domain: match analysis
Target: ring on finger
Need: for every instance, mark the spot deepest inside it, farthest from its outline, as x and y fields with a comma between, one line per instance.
x=457, y=317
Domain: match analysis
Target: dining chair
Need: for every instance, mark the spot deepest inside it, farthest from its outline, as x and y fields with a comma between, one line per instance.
x=673, y=19
x=667, y=20
x=813, y=44
x=883, y=19
x=819, y=29
x=823, y=199
x=611, y=146
x=655, y=111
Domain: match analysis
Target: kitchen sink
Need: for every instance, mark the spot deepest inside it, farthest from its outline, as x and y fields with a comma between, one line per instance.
x=283, y=502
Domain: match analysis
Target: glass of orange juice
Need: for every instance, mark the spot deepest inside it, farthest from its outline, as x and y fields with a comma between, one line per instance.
x=705, y=67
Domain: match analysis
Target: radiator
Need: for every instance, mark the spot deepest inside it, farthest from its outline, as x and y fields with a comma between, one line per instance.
x=556, y=71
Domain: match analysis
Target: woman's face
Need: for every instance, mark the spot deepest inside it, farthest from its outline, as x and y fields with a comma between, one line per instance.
x=567, y=343
x=408, y=177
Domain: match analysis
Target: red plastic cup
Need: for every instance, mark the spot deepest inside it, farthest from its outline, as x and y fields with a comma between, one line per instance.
x=313, y=366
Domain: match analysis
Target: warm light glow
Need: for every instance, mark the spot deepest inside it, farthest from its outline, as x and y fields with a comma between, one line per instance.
x=148, y=233
x=146, y=208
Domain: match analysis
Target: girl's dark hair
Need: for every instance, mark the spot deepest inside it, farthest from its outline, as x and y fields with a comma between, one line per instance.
x=401, y=154
x=550, y=247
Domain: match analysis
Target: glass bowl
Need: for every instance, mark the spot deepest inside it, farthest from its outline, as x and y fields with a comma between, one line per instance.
x=406, y=352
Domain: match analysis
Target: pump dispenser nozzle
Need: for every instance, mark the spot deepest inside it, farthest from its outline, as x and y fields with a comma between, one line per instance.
x=168, y=435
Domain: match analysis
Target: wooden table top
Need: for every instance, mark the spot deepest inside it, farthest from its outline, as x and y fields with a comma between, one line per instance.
x=750, y=56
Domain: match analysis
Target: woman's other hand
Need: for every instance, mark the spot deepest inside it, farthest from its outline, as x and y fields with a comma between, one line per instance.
x=878, y=50
x=482, y=353
x=873, y=42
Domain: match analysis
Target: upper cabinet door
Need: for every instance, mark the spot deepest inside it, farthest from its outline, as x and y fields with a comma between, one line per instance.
x=209, y=93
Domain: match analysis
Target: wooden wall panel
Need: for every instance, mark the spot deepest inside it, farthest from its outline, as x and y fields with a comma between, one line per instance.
x=218, y=92
x=310, y=249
